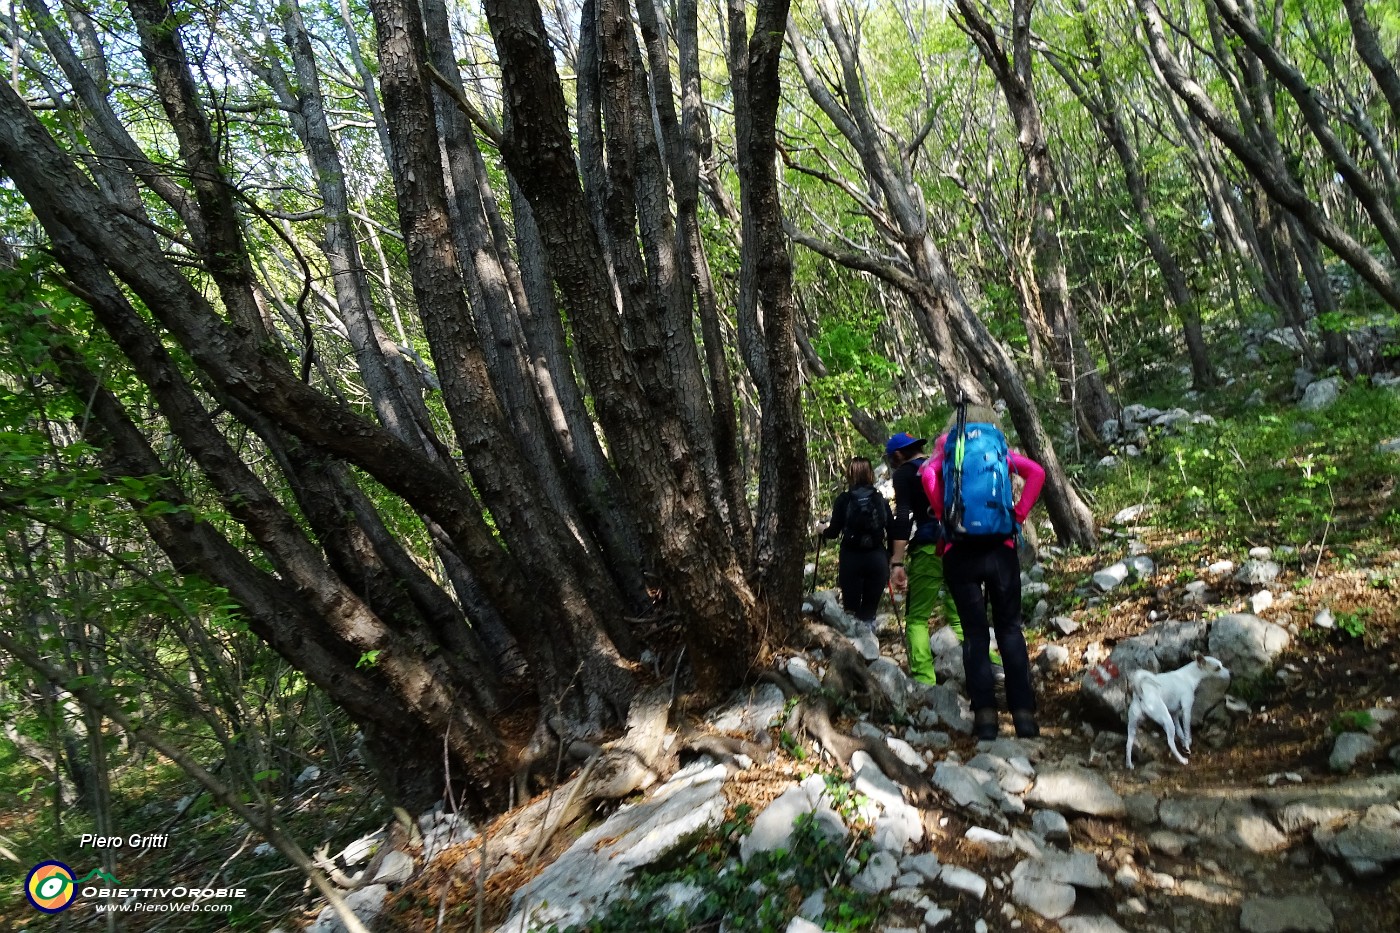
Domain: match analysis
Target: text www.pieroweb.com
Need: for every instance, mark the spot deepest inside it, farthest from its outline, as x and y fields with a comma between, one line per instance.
x=182, y=907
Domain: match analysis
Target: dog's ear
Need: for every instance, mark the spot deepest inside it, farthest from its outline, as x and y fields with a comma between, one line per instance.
x=1200, y=658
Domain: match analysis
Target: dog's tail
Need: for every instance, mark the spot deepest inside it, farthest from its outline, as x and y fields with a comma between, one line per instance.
x=1136, y=678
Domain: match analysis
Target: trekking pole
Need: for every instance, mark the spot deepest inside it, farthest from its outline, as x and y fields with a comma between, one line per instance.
x=955, y=519
x=817, y=564
x=894, y=604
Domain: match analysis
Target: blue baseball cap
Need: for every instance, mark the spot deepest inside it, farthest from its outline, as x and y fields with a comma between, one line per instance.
x=901, y=441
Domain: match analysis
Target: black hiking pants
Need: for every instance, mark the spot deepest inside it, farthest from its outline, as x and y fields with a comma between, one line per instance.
x=978, y=574
x=861, y=574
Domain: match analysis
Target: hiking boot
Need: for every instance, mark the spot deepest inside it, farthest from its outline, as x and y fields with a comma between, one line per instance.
x=984, y=724
x=1026, y=727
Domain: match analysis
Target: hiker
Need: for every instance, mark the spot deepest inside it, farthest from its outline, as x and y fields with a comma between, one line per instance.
x=861, y=517
x=915, y=565
x=982, y=568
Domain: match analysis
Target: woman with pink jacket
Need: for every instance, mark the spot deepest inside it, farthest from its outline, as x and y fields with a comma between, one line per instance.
x=985, y=571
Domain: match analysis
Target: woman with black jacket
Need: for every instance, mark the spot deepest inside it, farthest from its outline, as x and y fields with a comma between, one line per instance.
x=860, y=517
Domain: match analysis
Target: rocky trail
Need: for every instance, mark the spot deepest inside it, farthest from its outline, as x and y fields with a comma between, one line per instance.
x=872, y=807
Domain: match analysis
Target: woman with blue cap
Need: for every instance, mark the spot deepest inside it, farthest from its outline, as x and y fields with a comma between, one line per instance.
x=915, y=565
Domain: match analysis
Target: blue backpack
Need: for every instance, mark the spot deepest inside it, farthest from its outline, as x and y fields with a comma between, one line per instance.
x=977, y=500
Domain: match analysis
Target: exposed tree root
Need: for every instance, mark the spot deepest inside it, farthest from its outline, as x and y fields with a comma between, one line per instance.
x=847, y=676
x=820, y=635
x=782, y=682
x=617, y=769
x=727, y=749
x=816, y=718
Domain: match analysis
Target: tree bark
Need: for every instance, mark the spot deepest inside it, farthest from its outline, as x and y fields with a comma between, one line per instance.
x=567, y=576
x=687, y=152
x=650, y=448
x=779, y=545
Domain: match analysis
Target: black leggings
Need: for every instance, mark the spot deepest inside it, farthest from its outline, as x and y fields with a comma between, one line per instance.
x=862, y=574
x=978, y=574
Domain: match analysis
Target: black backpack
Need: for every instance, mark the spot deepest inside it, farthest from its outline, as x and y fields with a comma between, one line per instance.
x=866, y=517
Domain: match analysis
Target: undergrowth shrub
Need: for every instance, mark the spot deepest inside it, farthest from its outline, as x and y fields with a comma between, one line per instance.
x=1290, y=476
x=1352, y=721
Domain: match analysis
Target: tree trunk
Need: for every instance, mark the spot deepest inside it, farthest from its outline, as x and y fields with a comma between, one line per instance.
x=567, y=576
x=281, y=616
x=1080, y=383
x=1335, y=351
x=1105, y=111
x=1372, y=202
x=1373, y=54
x=687, y=153
x=779, y=545
x=650, y=447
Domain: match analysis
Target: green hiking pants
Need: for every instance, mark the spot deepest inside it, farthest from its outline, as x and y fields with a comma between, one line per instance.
x=927, y=594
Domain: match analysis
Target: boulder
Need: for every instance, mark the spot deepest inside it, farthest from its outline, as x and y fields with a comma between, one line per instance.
x=1258, y=572
x=1050, y=825
x=1142, y=567
x=1369, y=845
x=1297, y=914
x=1165, y=646
x=1349, y=748
x=1234, y=823
x=965, y=880
x=1247, y=644
x=1111, y=576
x=750, y=710
x=946, y=707
x=878, y=874
x=1090, y=923
x=1321, y=394
x=1047, y=884
x=772, y=829
x=1131, y=514
x=366, y=903
x=964, y=787
x=396, y=868
x=599, y=864
x=892, y=680
x=1052, y=658
x=1076, y=790
x=800, y=673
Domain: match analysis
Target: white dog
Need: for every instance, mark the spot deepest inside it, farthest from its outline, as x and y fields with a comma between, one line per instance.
x=1167, y=697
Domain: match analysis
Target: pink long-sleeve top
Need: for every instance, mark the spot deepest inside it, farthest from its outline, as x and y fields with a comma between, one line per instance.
x=1033, y=473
